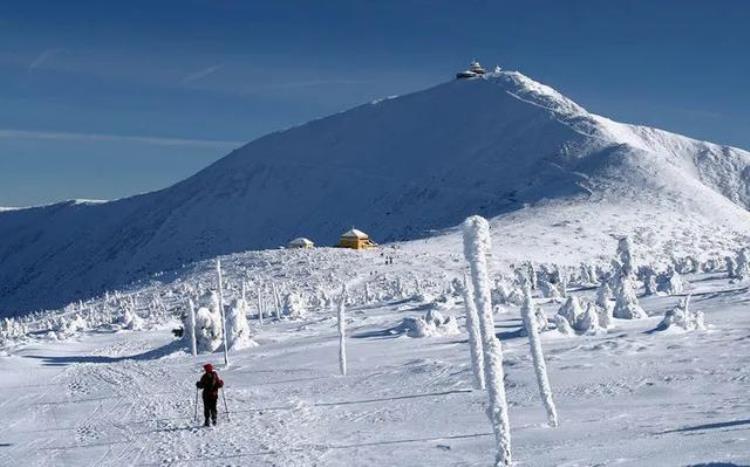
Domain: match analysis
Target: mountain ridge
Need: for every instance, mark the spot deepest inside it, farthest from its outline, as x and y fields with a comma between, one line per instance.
x=401, y=168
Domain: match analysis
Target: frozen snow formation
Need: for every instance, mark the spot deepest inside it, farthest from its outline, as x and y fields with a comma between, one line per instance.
x=555, y=181
x=683, y=318
x=670, y=282
x=573, y=317
x=131, y=321
x=626, y=302
x=432, y=324
x=238, y=330
x=294, y=307
x=208, y=325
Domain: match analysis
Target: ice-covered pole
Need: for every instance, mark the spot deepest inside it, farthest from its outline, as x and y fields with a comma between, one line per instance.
x=475, y=338
x=221, y=310
x=537, y=356
x=260, y=306
x=193, y=343
x=277, y=300
x=342, y=330
x=477, y=245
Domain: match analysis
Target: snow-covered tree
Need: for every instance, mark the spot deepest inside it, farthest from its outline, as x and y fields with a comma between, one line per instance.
x=604, y=296
x=731, y=266
x=743, y=265
x=589, y=322
x=581, y=319
x=605, y=315
x=587, y=274
x=277, y=300
x=477, y=245
x=549, y=290
x=683, y=317
x=563, y=326
x=208, y=323
x=648, y=276
x=670, y=282
x=571, y=310
x=533, y=281
x=475, y=339
x=260, y=306
x=342, y=329
x=130, y=320
x=238, y=329
x=368, y=294
x=625, y=256
x=293, y=307
x=540, y=367
x=626, y=302
x=562, y=284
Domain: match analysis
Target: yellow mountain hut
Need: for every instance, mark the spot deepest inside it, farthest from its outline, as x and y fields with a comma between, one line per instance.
x=356, y=240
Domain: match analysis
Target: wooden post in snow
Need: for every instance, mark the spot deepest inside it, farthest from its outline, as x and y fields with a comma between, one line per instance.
x=221, y=309
x=260, y=305
x=193, y=343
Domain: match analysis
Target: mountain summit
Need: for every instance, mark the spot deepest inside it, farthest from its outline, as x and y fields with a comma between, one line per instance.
x=501, y=145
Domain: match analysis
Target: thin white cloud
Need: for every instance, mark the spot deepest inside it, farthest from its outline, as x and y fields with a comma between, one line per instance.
x=99, y=137
x=43, y=57
x=200, y=74
x=314, y=83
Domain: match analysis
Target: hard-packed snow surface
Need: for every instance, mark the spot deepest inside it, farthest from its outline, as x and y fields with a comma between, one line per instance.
x=556, y=180
x=633, y=396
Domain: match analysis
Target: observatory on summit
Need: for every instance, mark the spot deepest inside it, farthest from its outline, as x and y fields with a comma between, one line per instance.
x=475, y=69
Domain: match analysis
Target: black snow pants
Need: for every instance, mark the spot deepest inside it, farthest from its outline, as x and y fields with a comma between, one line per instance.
x=209, y=408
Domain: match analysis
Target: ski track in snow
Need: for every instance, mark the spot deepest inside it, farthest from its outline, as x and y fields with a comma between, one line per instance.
x=628, y=398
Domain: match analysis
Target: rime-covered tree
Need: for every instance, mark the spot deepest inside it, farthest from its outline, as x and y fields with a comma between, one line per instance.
x=731, y=267
x=540, y=367
x=683, y=317
x=626, y=302
x=604, y=295
x=670, y=282
x=293, y=307
x=475, y=339
x=238, y=329
x=741, y=270
x=625, y=257
x=477, y=245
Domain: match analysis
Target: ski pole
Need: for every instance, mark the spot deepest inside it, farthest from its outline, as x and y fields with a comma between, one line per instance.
x=226, y=408
x=195, y=412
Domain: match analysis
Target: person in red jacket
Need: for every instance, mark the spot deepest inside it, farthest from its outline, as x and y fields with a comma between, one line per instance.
x=210, y=383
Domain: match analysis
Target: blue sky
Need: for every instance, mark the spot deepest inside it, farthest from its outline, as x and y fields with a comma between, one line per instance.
x=107, y=99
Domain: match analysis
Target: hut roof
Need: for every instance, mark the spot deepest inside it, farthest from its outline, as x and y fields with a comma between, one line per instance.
x=354, y=233
x=301, y=241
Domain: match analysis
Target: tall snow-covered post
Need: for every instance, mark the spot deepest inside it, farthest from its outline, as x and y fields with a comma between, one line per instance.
x=477, y=245
x=221, y=309
x=342, y=330
x=260, y=306
x=537, y=356
x=475, y=338
x=193, y=343
x=244, y=292
x=277, y=300
x=368, y=297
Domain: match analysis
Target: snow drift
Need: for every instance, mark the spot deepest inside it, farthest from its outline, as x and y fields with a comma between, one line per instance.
x=503, y=146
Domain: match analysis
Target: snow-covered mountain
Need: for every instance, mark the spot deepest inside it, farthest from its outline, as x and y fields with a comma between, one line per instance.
x=557, y=180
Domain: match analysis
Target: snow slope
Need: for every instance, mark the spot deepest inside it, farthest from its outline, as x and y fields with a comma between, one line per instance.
x=631, y=397
x=557, y=181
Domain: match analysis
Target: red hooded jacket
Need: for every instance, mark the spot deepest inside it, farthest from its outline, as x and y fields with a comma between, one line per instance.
x=210, y=382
